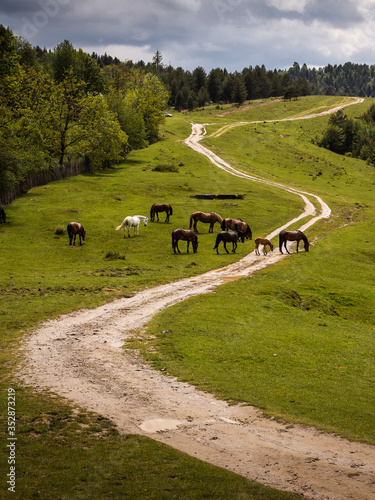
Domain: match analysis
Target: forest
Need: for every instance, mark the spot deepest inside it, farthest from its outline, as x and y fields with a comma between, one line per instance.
x=64, y=111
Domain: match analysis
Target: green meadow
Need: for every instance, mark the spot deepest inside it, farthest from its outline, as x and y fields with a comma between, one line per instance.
x=295, y=340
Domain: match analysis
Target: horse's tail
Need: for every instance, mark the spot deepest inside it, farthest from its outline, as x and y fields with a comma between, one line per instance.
x=173, y=244
x=152, y=211
x=217, y=241
x=251, y=234
x=223, y=225
x=171, y=209
x=120, y=226
x=280, y=242
x=191, y=221
x=69, y=229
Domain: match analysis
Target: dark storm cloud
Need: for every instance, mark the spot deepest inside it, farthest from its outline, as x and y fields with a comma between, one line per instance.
x=211, y=33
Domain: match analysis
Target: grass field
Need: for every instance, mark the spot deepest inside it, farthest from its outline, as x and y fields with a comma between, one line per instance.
x=304, y=336
x=307, y=343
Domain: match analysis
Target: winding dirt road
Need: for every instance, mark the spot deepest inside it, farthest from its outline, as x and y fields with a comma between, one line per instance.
x=86, y=346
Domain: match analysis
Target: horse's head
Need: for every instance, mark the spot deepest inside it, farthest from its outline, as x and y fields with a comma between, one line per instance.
x=195, y=245
x=83, y=234
x=241, y=236
x=145, y=221
x=271, y=247
x=307, y=244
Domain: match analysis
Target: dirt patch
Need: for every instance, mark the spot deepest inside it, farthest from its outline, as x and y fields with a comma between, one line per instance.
x=247, y=107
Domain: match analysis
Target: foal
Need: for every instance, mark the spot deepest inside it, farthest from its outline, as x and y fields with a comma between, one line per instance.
x=265, y=243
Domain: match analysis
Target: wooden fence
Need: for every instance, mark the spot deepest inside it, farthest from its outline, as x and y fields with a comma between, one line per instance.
x=44, y=177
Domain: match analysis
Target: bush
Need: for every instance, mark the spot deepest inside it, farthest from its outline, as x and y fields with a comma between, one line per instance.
x=166, y=168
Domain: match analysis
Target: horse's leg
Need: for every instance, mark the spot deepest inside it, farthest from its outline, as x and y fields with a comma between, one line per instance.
x=225, y=246
x=211, y=230
x=297, y=245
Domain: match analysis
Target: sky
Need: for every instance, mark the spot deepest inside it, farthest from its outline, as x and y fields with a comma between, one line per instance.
x=231, y=34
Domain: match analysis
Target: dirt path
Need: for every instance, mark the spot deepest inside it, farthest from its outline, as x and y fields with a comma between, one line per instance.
x=86, y=347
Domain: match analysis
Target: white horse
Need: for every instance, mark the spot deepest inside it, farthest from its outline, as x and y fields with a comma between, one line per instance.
x=134, y=221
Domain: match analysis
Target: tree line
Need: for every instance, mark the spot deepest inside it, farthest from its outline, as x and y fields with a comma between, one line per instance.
x=60, y=108
x=197, y=88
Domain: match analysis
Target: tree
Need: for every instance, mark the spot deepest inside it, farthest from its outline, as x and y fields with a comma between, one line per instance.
x=67, y=102
x=239, y=90
x=151, y=101
x=63, y=60
x=157, y=60
x=199, y=79
x=214, y=84
x=98, y=135
x=130, y=120
x=192, y=101
x=333, y=139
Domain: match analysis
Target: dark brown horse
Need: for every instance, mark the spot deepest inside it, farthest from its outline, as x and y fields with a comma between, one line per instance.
x=241, y=226
x=297, y=236
x=160, y=207
x=3, y=217
x=229, y=237
x=184, y=235
x=208, y=218
x=75, y=228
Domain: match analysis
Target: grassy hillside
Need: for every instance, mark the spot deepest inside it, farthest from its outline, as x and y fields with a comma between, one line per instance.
x=313, y=310
x=304, y=335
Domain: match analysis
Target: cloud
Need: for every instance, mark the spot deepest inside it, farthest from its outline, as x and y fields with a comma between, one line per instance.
x=209, y=33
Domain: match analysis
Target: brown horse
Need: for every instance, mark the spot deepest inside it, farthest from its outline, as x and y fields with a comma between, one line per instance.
x=184, y=235
x=241, y=226
x=160, y=207
x=265, y=243
x=3, y=217
x=229, y=237
x=208, y=218
x=297, y=236
x=75, y=228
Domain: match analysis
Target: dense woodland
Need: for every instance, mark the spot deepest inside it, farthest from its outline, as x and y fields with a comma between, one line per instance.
x=350, y=137
x=64, y=109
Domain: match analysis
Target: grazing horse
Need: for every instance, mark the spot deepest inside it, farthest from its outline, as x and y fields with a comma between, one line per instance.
x=227, y=237
x=297, y=236
x=184, y=235
x=160, y=207
x=75, y=228
x=209, y=218
x=265, y=243
x=241, y=226
x=3, y=217
x=134, y=221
